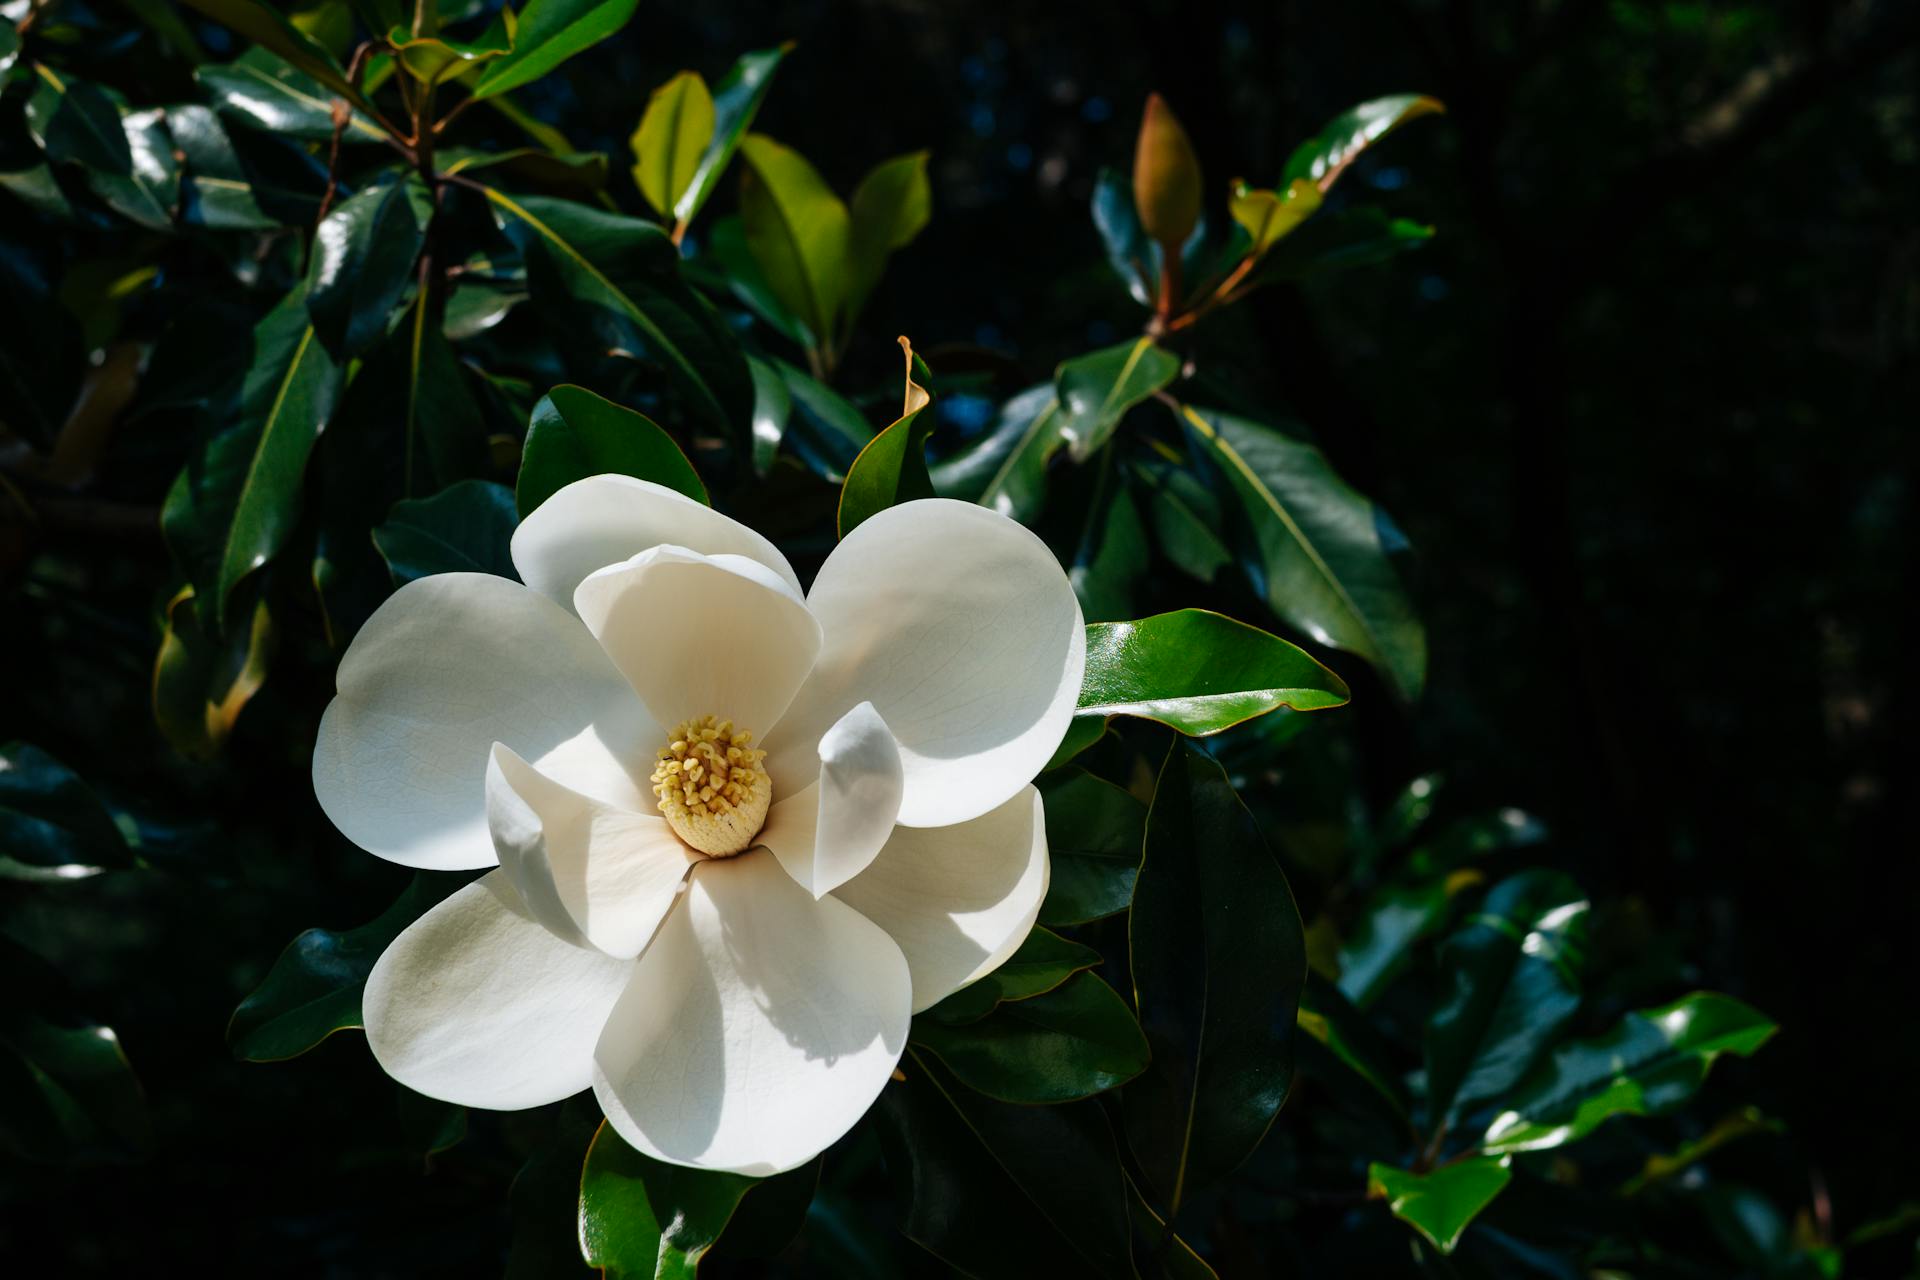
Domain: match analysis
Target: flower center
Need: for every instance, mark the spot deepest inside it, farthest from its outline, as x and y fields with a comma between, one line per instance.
x=712, y=792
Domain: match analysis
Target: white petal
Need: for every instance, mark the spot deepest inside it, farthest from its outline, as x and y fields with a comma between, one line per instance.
x=603, y=520
x=959, y=900
x=477, y=1003
x=600, y=876
x=828, y=833
x=702, y=635
x=448, y=666
x=960, y=627
x=759, y=1026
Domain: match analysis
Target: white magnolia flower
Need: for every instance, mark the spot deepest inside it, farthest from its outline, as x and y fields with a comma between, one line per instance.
x=723, y=935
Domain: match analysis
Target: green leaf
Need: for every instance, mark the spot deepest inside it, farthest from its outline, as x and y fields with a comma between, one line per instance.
x=215, y=190
x=889, y=208
x=1096, y=390
x=618, y=278
x=544, y=1200
x=799, y=233
x=267, y=27
x=1042, y=962
x=1440, y=1204
x=313, y=989
x=434, y=59
x=52, y=826
x=75, y=122
x=1076, y=1040
x=1336, y=1026
x=1322, y=558
x=235, y=504
x=430, y=1125
x=270, y=94
x=1199, y=672
x=362, y=263
x=581, y=175
x=1186, y=519
x=1341, y=241
x=826, y=432
x=1322, y=158
x=1133, y=257
x=465, y=528
x=1219, y=959
x=772, y=408
x=735, y=103
x=1113, y=554
x=1166, y=178
x=642, y=1217
x=1731, y=1127
x=892, y=468
x=575, y=434
x=1095, y=832
x=68, y=1095
x=674, y=132
x=1395, y=917
x=1650, y=1063
x=547, y=34
x=1006, y=468
x=9, y=47
x=1166, y=1253
x=203, y=678
x=1082, y=733
x=1510, y=980
x=1270, y=216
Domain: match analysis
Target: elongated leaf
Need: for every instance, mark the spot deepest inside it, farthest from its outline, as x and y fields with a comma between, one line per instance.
x=203, y=678
x=889, y=208
x=268, y=93
x=735, y=103
x=1076, y=1040
x=547, y=34
x=435, y=58
x=1219, y=959
x=826, y=432
x=1510, y=980
x=892, y=468
x=215, y=190
x=1113, y=554
x=313, y=989
x=1322, y=158
x=575, y=434
x=1322, y=561
x=1166, y=177
x=362, y=263
x=1440, y=1204
x=799, y=233
x=641, y=1217
x=1094, y=837
x=1097, y=389
x=1133, y=256
x=1006, y=468
x=1651, y=1062
x=1163, y=1253
x=772, y=408
x=1187, y=520
x=465, y=528
x=673, y=134
x=1395, y=917
x=1342, y=241
x=75, y=122
x=1270, y=216
x=52, y=826
x=1042, y=962
x=618, y=279
x=1731, y=1127
x=581, y=175
x=68, y=1095
x=265, y=26
x=1336, y=1026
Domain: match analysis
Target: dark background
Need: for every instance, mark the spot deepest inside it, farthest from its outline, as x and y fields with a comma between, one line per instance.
x=1643, y=407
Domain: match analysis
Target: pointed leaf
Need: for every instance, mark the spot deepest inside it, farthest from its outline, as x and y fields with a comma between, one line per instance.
x=1042, y=962
x=547, y=34
x=674, y=133
x=889, y=208
x=52, y=826
x=1269, y=216
x=362, y=263
x=1132, y=255
x=575, y=434
x=465, y=528
x=1342, y=241
x=1094, y=835
x=68, y=1095
x=204, y=678
x=1096, y=390
x=892, y=468
x=1440, y=1204
x=641, y=1217
x=1322, y=158
x=267, y=27
x=1006, y=468
x=1077, y=1040
x=799, y=233
x=735, y=103
x=268, y=93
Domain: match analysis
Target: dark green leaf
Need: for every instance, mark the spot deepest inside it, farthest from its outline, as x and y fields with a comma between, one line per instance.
x=215, y=190
x=1335, y=1025
x=430, y=1125
x=1113, y=554
x=267, y=93
x=267, y=27
x=1006, y=468
x=465, y=528
x=1342, y=241
x=67, y=1092
x=1219, y=959
x=1133, y=257
x=826, y=432
x=52, y=826
x=362, y=263
x=731, y=266
x=773, y=1212
x=545, y=1201
x=575, y=434
x=1076, y=1040
x=1094, y=835
x=203, y=678
x=772, y=407
x=1097, y=389
x=735, y=103
x=641, y=1217
x=893, y=467
x=1731, y=1127
x=1187, y=520
x=548, y=33
x=1082, y=732
x=1440, y=1204
x=1395, y=917
x=1324, y=157
x=1042, y=962
x=75, y=122
x=1164, y=1253
x=579, y=174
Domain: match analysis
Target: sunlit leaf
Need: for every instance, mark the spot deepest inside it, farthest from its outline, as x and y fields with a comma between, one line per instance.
x=575, y=434
x=362, y=263
x=268, y=93
x=889, y=208
x=1322, y=158
x=892, y=468
x=799, y=232
x=1096, y=390
x=673, y=135
x=203, y=678
x=548, y=33
x=641, y=1217
x=1269, y=216
x=1441, y=1203
x=1094, y=836
x=465, y=528
x=1074, y=1041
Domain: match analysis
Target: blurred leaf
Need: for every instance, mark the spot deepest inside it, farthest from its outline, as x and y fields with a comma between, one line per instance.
x=362, y=263
x=547, y=34
x=772, y=1214
x=772, y=407
x=1113, y=553
x=545, y=1201
x=1199, y=672
x=731, y=266
x=674, y=132
x=1094, y=838
x=435, y=59
x=1323, y=564
x=1130, y=253
x=267, y=27
x=643, y=1217
x=1651, y=1062
x=1187, y=520
x=575, y=434
x=1074, y=1041
x=1324, y=157
x=9, y=47
x=268, y=93
x=800, y=234
x=465, y=528
x=889, y=208
x=825, y=432
x=1167, y=1254
x=52, y=826
x=735, y=103
x=1042, y=962
x=1096, y=390
x=76, y=122
x=215, y=190
x=1394, y=918
x=1731, y=1127
x=1509, y=981
x=1219, y=958
x=1440, y=1204
x=1006, y=467
x=203, y=679
x=1334, y=1024
x=430, y=1125
x=1342, y=241
x=1269, y=216
x=313, y=989
x=68, y=1095
x=1166, y=177
x=579, y=174
x=892, y=468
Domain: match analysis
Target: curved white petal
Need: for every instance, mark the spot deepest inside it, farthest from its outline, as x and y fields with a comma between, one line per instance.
x=591, y=873
x=448, y=666
x=759, y=1026
x=603, y=520
x=702, y=635
x=478, y=1003
x=959, y=900
x=960, y=627
x=828, y=833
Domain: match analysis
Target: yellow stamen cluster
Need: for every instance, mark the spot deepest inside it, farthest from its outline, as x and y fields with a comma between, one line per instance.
x=712, y=792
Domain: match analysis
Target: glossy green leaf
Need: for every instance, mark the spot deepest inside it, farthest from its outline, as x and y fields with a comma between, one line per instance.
x=1095, y=832
x=1199, y=672
x=76, y=122
x=1219, y=959
x=617, y=281
x=1074, y=1041
x=1082, y=733
x=735, y=103
x=216, y=192
x=1329, y=1021
x=362, y=263
x=1509, y=981
x=1270, y=216
x=313, y=989
x=732, y=267
x=1113, y=555
x=1042, y=962
x=889, y=208
x=68, y=1095
x=1322, y=557
x=434, y=59
x=892, y=468
x=1651, y=1062
x=465, y=528
x=547, y=34
x=673, y=135
x=52, y=826
x=1399, y=914
x=268, y=93
x=1006, y=469
x=9, y=47
x=1132, y=255
x=799, y=233
x=148, y=192
x=580, y=174
x=266, y=26
x=1440, y=1204
x=826, y=431
x=1096, y=390
x=1342, y=241
x=203, y=678
x=1187, y=520
x=1166, y=177
x=1322, y=158
x=641, y=1217
x=772, y=408
x=575, y=434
